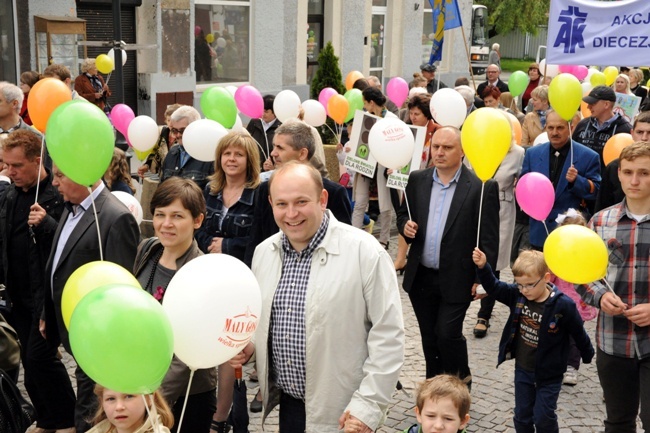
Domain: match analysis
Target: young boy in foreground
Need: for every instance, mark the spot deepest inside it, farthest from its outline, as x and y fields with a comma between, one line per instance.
x=536, y=336
x=442, y=406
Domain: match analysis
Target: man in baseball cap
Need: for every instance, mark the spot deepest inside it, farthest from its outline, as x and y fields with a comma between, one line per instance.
x=594, y=131
x=429, y=72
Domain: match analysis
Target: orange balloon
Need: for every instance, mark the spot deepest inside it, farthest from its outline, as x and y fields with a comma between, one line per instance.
x=516, y=127
x=46, y=95
x=583, y=107
x=615, y=145
x=337, y=108
x=351, y=78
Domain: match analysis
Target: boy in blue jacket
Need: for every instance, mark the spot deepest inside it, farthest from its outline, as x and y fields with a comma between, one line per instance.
x=536, y=336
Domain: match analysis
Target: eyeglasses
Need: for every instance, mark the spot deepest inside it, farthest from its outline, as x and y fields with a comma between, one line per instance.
x=522, y=287
x=177, y=131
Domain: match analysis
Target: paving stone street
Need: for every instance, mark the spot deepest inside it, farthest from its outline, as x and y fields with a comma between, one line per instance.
x=580, y=408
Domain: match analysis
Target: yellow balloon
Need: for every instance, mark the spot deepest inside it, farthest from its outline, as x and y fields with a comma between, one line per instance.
x=576, y=254
x=209, y=38
x=486, y=138
x=142, y=156
x=565, y=95
x=88, y=278
x=104, y=64
x=597, y=79
x=610, y=75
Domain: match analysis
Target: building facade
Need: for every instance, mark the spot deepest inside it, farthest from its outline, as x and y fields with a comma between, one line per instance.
x=194, y=44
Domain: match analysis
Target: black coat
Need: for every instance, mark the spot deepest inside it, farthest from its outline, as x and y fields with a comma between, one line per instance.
x=457, y=269
x=503, y=87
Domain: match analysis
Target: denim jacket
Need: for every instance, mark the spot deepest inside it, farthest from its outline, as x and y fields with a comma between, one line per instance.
x=235, y=228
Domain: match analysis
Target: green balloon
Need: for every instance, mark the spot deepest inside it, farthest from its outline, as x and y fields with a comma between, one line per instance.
x=219, y=105
x=80, y=140
x=355, y=102
x=518, y=82
x=122, y=339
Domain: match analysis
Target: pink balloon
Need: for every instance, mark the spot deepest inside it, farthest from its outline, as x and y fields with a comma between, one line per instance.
x=580, y=72
x=121, y=116
x=325, y=95
x=565, y=69
x=249, y=101
x=397, y=90
x=535, y=195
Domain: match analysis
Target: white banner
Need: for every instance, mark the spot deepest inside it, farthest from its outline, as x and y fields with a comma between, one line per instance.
x=587, y=32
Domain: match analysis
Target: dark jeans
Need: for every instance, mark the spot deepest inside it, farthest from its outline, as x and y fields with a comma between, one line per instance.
x=46, y=379
x=535, y=405
x=292, y=414
x=441, y=326
x=520, y=240
x=198, y=412
x=487, y=303
x=625, y=382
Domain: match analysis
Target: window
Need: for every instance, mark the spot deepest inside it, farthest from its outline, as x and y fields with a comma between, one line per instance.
x=315, y=25
x=221, y=41
x=7, y=43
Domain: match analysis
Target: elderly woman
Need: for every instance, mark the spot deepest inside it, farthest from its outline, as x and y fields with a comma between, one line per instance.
x=178, y=209
x=535, y=81
x=494, y=58
x=90, y=85
x=230, y=197
x=535, y=121
x=154, y=160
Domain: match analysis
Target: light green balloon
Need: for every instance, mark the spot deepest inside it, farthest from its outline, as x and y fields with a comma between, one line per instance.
x=355, y=102
x=122, y=339
x=219, y=105
x=518, y=82
x=80, y=140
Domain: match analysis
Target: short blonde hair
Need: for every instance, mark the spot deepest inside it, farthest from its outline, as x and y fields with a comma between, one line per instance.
x=540, y=92
x=530, y=262
x=445, y=386
x=634, y=151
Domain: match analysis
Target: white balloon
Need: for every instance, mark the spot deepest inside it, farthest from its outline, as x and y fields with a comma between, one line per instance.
x=315, y=114
x=201, y=138
x=551, y=70
x=131, y=203
x=541, y=138
x=232, y=90
x=238, y=126
x=221, y=42
x=448, y=108
x=111, y=54
x=391, y=142
x=212, y=318
x=286, y=105
x=586, y=86
x=143, y=133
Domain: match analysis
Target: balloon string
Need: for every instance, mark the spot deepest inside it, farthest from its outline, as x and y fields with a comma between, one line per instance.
x=266, y=156
x=604, y=280
x=187, y=394
x=266, y=138
x=40, y=168
x=408, y=208
x=328, y=127
x=149, y=414
x=99, y=235
x=545, y=227
x=480, y=211
x=109, y=77
x=571, y=142
x=154, y=415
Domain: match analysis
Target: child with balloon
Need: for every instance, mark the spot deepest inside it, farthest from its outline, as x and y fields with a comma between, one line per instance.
x=572, y=216
x=541, y=322
x=128, y=413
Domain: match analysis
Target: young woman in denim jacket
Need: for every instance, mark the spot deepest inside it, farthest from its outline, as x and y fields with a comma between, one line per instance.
x=229, y=196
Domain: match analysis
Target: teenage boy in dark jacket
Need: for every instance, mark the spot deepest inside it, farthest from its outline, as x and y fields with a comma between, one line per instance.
x=536, y=335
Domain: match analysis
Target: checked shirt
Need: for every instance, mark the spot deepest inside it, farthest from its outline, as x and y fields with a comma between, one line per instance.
x=628, y=246
x=288, y=315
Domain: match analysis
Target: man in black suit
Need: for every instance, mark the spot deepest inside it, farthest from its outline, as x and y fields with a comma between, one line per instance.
x=75, y=244
x=440, y=276
x=492, y=72
x=293, y=141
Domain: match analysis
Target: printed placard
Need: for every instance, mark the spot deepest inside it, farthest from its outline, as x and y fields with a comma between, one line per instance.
x=359, y=158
